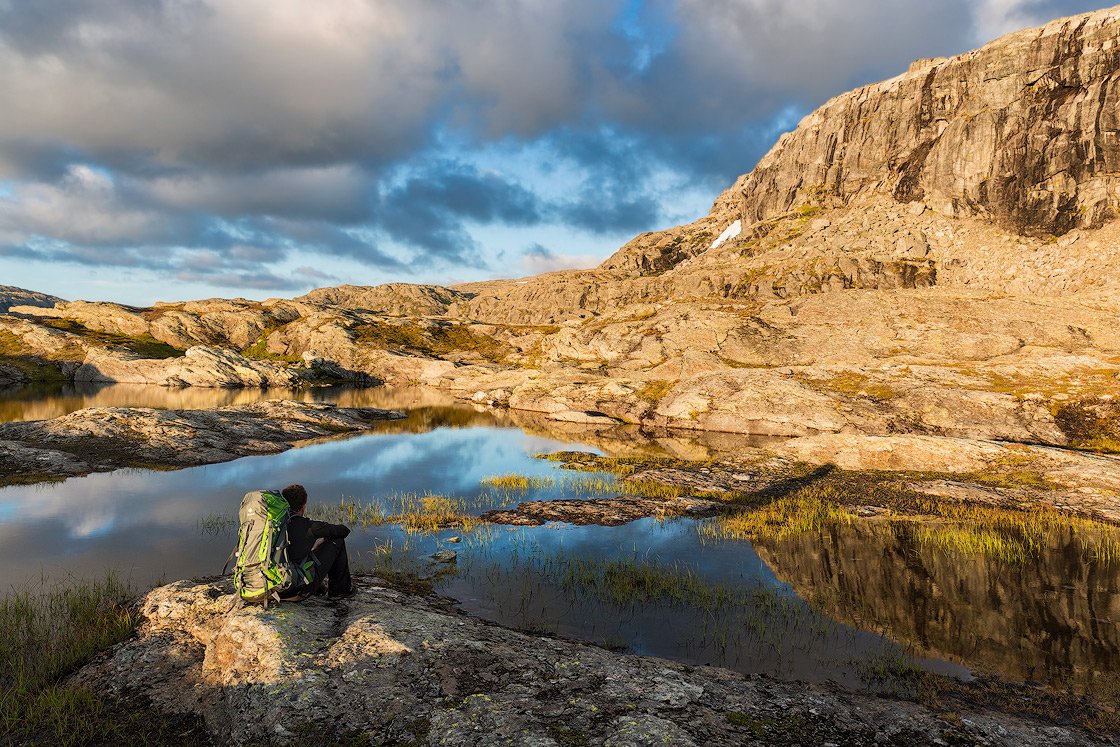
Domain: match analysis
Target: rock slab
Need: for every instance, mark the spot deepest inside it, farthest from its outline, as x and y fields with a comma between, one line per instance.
x=395, y=668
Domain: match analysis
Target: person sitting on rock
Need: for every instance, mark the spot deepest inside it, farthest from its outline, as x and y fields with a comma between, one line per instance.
x=323, y=543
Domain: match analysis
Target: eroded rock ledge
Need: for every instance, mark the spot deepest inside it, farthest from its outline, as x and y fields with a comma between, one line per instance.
x=99, y=439
x=391, y=668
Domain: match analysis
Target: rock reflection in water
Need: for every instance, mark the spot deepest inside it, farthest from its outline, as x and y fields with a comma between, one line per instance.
x=428, y=408
x=1052, y=619
x=649, y=588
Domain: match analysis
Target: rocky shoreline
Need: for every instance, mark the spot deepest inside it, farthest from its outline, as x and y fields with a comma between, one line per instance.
x=100, y=439
x=696, y=482
x=388, y=667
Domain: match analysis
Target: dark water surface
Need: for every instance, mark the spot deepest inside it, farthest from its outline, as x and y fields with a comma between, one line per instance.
x=849, y=604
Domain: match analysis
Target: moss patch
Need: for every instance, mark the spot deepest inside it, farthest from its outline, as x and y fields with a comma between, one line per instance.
x=435, y=340
x=259, y=349
x=655, y=390
x=1092, y=424
x=854, y=384
x=145, y=346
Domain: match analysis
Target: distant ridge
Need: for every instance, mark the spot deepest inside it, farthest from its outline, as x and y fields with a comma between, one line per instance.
x=11, y=296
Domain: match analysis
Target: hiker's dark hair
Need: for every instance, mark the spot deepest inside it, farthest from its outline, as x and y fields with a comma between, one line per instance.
x=296, y=496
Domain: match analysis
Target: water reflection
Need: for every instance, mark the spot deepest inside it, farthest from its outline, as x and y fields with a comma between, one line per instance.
x=44, y=401
x=1052, y=619
x=429, y=408
x=645, y=588
x=146, y=525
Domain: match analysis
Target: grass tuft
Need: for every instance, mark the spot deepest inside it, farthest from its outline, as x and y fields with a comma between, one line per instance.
x=518, y=482
x=47, y=633
x=807, y=510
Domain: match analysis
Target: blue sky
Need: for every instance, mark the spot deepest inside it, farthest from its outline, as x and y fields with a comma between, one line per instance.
x=172, y=149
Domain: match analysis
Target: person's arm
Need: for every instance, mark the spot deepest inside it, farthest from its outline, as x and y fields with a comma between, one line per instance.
x=323, y=530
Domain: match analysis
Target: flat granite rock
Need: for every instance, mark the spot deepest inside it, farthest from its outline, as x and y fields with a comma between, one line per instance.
x=99, y=439
x=606, y=512
x=398, y=668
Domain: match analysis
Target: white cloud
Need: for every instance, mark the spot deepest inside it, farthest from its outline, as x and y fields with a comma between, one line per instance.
x=538, y=259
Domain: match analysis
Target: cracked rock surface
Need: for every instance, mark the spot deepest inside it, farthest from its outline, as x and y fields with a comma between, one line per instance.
x=405, y=669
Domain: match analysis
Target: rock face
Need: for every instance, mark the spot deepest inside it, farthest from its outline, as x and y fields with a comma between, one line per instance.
x=1025, y=131
x=394, y=668
x=10, y=296
x=100, y=439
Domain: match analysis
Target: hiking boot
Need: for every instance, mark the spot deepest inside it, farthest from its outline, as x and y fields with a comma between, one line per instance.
x=344, y=594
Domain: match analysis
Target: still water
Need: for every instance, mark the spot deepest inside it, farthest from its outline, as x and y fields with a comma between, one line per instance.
x=842, y=604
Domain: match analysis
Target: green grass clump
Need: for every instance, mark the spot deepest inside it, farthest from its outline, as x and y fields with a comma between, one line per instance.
x=413, y=512
x=585, y=461
x=216, y=524
x=807, y=510
x=653, y=489
x=431, y=513
x=350, y=512
x=518, y=482
x=957, y=539
x=635, y=581
x=47, y=633
x=1011, y=535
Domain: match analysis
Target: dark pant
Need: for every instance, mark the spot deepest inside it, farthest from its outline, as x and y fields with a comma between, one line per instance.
x=334, y=565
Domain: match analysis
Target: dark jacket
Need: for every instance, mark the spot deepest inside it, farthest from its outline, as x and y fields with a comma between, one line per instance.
x=302, y=533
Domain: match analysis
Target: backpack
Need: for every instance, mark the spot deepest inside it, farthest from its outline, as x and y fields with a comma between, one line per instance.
x=263, y=570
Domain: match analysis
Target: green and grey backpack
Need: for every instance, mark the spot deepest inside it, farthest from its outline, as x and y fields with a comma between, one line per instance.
x=263, y=570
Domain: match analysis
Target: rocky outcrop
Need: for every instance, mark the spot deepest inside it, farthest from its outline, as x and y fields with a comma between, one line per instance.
x=1024, y=131
x=100, y=439
x=10, y=296
x=391, y=299
x=393, y=668
x=202, y=366
x=608, y=512
x=199, y=366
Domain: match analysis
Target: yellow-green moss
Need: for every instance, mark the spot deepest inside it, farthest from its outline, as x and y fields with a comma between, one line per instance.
x=655, y=390
x=434, y=340
x=145, y=345
x=854, y=384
